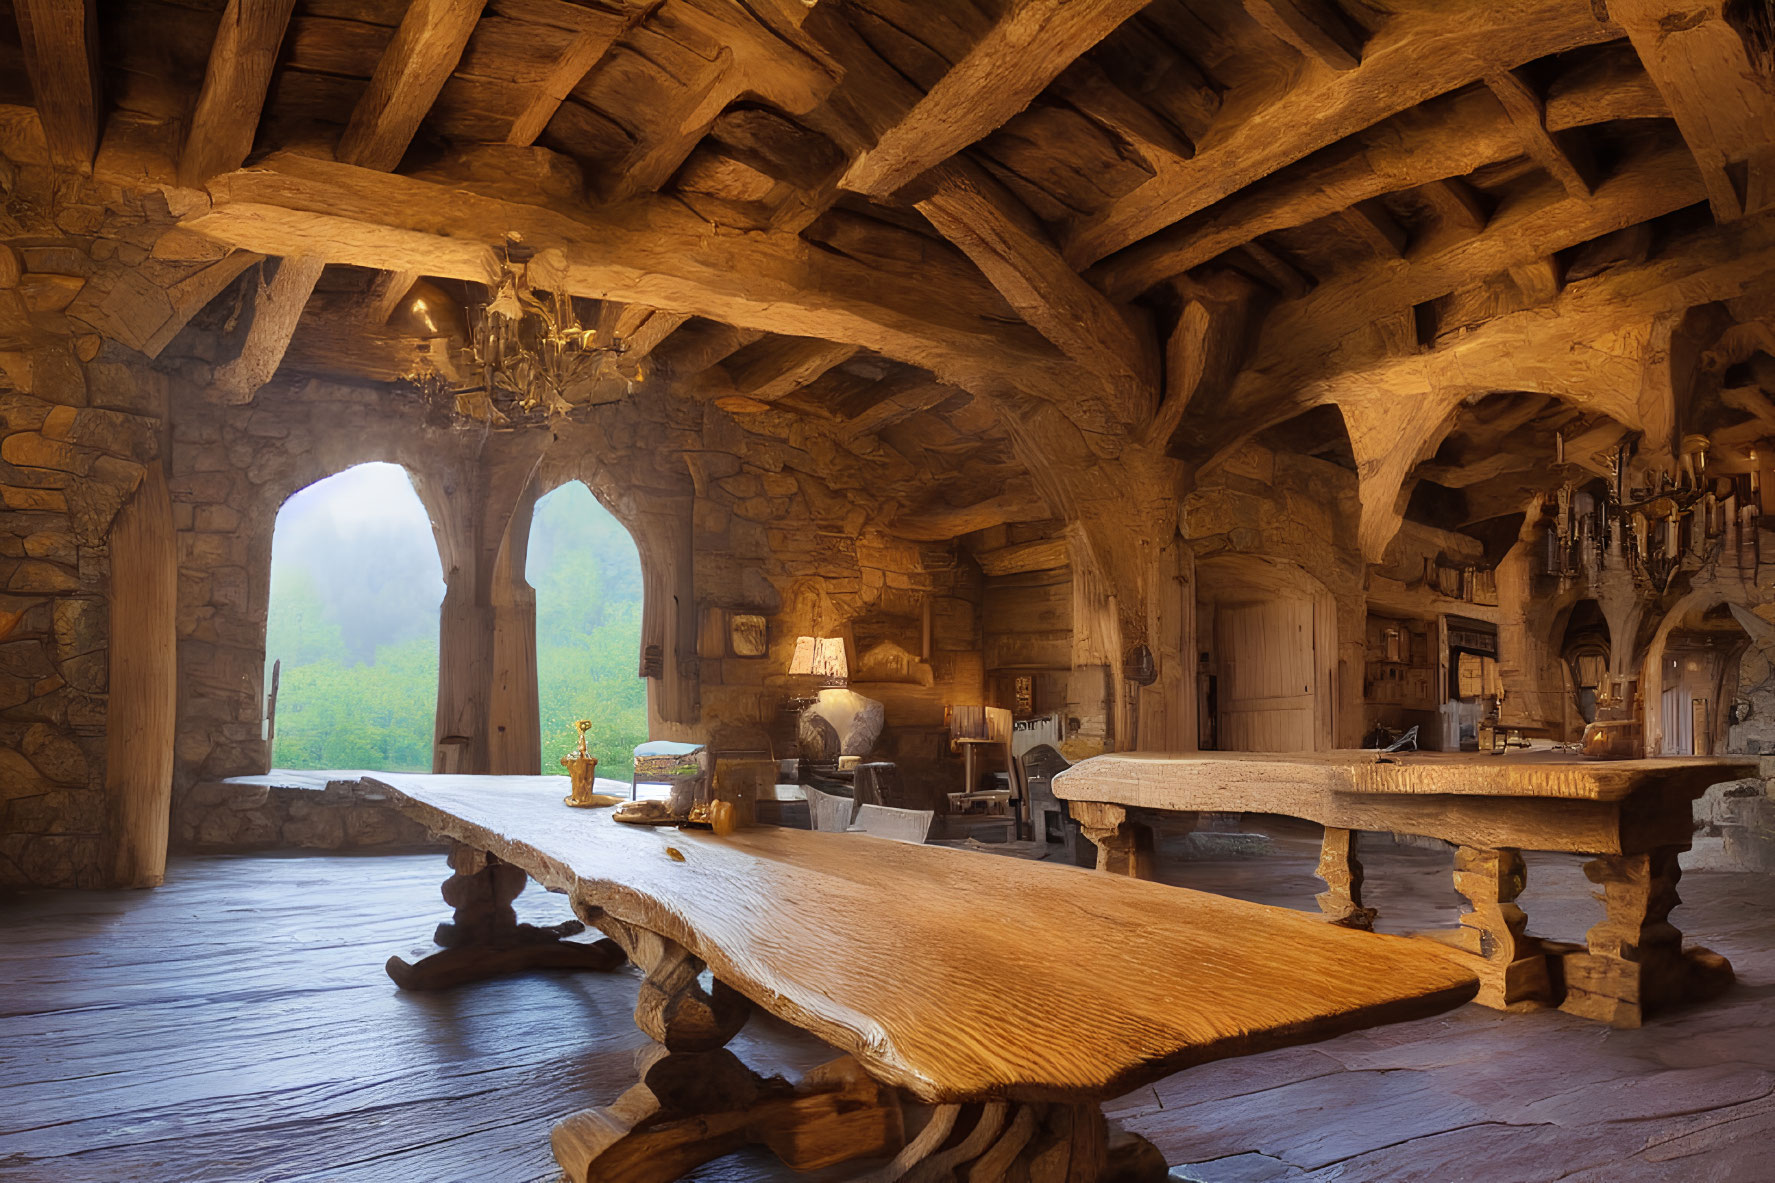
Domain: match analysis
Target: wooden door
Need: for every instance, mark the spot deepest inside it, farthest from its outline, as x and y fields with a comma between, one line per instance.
x=1267, y=665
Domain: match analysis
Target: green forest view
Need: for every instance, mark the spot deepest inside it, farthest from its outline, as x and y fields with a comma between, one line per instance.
x=355, y=589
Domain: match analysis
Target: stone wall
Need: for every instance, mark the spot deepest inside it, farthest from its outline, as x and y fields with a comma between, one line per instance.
x=81, y=418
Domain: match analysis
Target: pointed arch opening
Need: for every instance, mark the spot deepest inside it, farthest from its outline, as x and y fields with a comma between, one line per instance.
x=351, y=638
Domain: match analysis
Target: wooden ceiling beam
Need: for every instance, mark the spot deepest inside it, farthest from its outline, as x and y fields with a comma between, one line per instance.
x=1723, y=106
x=1206, y=348
x=1370, y=222
x=1309, y=344
x=773, y=369
x=1015, y=61
x=1418, y=54
x=61, y=50
x=1314, y=27
x=790, y=75
x=1455, y=203
x=658, y=254
x=1446, y=138
x=413, y=69
x=943, y=523
x=598, y=31
x=234, y=85
x=983, y=219
x=649, y=333
x=1101, y=99
x=1529, y=116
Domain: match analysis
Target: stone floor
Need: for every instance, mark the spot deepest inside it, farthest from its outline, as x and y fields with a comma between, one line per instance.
x=236, y=1025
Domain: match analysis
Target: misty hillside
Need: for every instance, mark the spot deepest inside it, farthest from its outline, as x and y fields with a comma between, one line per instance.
x=355, y=589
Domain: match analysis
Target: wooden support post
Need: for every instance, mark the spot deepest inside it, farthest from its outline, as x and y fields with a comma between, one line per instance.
x=1513, y=973
x=1124, y=847
x=1635, y=962
x=484, y=938
x=696, y=1101
x=143, y=682
x=1341, y=901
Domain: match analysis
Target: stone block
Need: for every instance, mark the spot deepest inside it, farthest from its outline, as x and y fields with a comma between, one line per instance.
x=33, y=500
x=37, y=577
x=216, y=519
x=88, y=673
x=31, y=449
x=55, y=755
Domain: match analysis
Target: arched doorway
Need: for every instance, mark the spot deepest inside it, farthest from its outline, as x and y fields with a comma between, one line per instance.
x=586, y=572
x=352, y=625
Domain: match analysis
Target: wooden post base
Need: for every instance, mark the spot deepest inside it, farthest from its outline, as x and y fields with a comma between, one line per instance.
x=1341, y=870
x=484, y=938
x=1512, y=966
x=1023, y=1141
x=1634, y=962
x=1124, y=847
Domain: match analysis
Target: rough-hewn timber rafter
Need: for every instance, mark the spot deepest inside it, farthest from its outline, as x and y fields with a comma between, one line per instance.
x=658, y=254
x=981, y=217
x=1314, y=27
x=1700, y=65
x=413, y=69
x=61, y=44
x=774, y=369
x=598, y=31
x=1015, y=61
x=1417, y=55
x=234, y=85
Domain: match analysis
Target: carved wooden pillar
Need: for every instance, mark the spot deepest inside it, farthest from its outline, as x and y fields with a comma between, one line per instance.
x=514, y=727
x=465, y=663
x=1513, y=973
x=1124, y=847
x=1635, y=962
x=1341, y=901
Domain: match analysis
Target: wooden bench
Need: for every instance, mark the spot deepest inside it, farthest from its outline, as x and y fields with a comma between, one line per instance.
x=1632, y=816
x=940, y=974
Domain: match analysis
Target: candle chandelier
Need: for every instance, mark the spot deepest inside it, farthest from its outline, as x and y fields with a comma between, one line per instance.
x=1651, y=531
x=527, y=354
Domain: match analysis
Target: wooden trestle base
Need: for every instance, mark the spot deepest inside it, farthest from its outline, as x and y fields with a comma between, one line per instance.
x=1631, y=965
x=484, y=939
x=695, y=1101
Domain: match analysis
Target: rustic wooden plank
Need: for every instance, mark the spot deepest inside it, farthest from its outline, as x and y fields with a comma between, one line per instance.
x=1015, y=61
x=878, y=992
x=61, y=44
x=1417, y=55
x=234, y=86
x=409, y=75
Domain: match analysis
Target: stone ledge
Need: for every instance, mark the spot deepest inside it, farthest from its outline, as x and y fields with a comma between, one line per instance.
x=291, y=809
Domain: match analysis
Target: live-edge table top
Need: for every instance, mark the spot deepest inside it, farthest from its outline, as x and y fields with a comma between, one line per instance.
x=951, y=974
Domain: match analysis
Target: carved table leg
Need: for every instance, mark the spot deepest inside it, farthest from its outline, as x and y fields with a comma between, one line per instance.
x=1635, y=961
x=1513, y=968
x=484, y=939
x=1341, y=901
x=1123, y=847
x=696, y=1101
x=1041, y=1143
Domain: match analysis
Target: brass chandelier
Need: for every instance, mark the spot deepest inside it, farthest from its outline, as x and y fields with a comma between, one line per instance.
x=527, y=355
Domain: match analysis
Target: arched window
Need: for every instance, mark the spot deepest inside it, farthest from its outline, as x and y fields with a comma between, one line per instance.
x=587, y=576
x=353, y=625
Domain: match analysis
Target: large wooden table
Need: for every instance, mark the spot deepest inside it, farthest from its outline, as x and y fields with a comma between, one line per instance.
x=947, y=978
x=1633, y=816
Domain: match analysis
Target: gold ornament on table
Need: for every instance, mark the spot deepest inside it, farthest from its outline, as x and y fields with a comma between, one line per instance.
x=582, y=767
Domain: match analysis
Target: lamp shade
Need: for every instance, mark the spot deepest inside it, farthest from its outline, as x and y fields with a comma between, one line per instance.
x=822, y=657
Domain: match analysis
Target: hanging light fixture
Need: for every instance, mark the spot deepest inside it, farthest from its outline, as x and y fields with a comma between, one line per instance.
x=526, y=355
